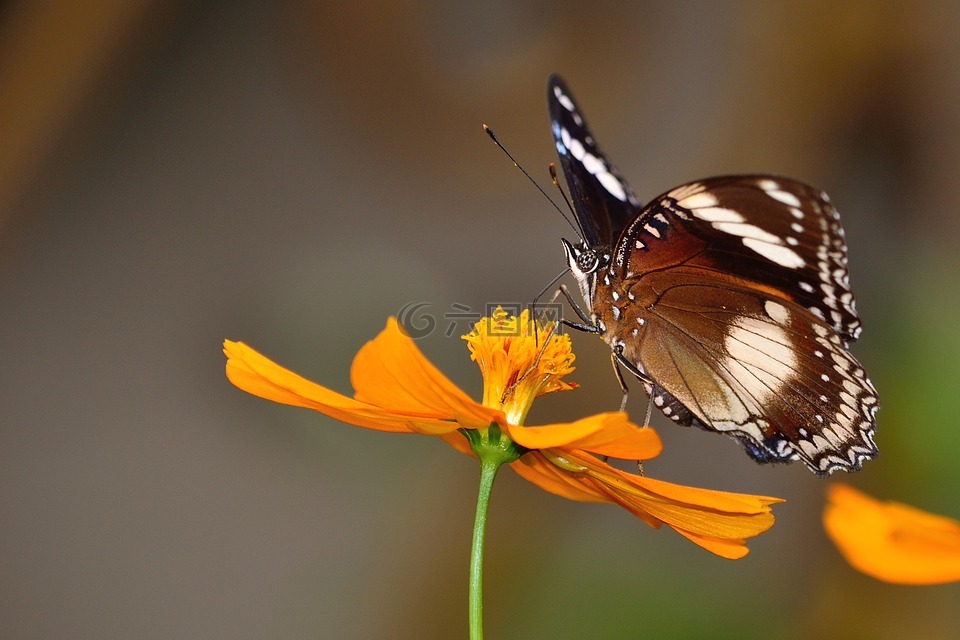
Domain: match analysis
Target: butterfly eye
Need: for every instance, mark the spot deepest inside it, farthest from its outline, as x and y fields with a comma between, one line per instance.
x=588, y=261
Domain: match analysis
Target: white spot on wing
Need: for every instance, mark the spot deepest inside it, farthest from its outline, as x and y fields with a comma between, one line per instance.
x=594, y=165
x=612, y=185
x=577, y=149
x=785, y=197
x=746, y=231
x=759, y=357
x=564, y=99
x=700, y=200
x=783, y=256
x=777, y=312
x=718, y=214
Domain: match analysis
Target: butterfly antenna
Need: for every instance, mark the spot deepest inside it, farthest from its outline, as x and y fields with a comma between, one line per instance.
x=563, y=194
x=533, y=304
x=493, y=137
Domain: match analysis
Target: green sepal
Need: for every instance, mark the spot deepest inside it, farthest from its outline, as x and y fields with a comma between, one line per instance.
x=492, y=445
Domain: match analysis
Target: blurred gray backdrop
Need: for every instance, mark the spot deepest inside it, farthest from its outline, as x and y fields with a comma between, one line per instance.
x=174, y=173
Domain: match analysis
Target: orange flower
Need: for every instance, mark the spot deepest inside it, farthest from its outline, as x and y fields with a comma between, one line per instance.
x=891, y=541
x=397, y=389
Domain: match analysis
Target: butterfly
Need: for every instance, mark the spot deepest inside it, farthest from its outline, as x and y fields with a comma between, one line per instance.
x=728, y=298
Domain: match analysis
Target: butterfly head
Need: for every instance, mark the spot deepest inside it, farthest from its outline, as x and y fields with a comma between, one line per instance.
x=585, y=263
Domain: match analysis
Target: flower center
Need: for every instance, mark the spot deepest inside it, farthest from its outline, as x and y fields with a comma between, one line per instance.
x=520, y=360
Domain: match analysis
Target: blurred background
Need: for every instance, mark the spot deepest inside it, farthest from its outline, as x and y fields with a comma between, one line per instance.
x=174, y=173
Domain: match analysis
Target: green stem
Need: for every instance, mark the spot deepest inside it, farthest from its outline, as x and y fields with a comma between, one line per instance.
x=488, y=472
x=493, y=448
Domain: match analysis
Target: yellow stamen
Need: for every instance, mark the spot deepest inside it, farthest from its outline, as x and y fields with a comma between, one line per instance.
x=520, y=360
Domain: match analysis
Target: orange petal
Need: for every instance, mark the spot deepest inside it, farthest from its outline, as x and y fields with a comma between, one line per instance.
x=260, y=376
x=891, y=541
x=607, y=434
x=729, y=549
x=702, y=512
x=718, y=521
x=718, y=500
x=457, y=440
x=546, y=475
x=390, y=371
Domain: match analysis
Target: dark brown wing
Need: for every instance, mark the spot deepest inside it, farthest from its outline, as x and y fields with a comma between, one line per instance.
x=602, y=201
x=763, y=371
x=780, y=234
x=732, y=295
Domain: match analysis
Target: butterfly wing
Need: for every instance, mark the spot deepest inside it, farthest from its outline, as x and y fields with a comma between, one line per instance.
x=732, y=294
x=768, y=373
x=782, y=235
x=603, y=202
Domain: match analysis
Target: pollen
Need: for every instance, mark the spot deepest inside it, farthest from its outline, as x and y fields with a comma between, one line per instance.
x=520, y=359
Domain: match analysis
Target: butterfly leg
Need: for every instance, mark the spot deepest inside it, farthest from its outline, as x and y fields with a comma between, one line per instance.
x=588, y=325
x=621, y=359
x=649, y=414
x=623, y=385
x=573, y=305
x=615, y=359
